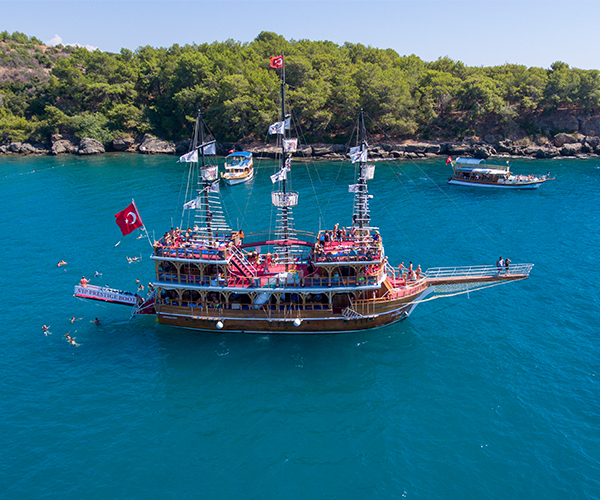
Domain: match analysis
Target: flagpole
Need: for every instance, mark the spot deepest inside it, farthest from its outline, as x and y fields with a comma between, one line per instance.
x=143, y=225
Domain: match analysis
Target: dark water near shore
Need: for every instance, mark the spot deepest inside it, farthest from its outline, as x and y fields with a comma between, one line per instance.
x=494, y=396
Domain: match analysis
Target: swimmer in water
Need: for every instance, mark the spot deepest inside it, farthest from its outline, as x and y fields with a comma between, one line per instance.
x=46, y=330
x=96, y=274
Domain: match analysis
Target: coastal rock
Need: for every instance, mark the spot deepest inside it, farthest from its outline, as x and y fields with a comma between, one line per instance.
x=547, y=151
x=33, y=149
x=328, y=149
x=89, y=146
x=152, y=145
x=264, y=151
x=561, y=139
x=3, y=149
x=457, y=148
x=483, y=151
x=530, y=150
x=505, y=146
x=123, y=143
x=14, y=147
x=63, y=144
x=571, y=149
x=593, y=143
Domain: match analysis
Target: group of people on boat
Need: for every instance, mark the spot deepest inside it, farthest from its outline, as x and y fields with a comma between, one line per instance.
x=408, y=273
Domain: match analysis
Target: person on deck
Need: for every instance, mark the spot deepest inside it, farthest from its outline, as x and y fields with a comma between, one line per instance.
x=506, y=264
x=500, y=265
x=83, y=281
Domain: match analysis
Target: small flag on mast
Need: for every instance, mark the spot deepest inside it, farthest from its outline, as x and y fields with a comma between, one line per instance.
x=276, y=61
x=189, y=157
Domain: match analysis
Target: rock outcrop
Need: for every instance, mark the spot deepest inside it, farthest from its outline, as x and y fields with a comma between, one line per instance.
x=151, y=145
x=123, y=144
x=89, y=146
x=63, y=145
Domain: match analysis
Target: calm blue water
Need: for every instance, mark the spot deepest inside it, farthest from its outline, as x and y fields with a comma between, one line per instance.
x=494, y=396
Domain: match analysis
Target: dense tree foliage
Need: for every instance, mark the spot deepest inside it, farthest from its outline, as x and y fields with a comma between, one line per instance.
x=48, y=90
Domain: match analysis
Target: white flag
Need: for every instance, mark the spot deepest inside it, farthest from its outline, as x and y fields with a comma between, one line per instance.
x=288, y=164
x=210, y=149
x=209, y=173
x=279, y=176
x=191, y=156
x=287, y=123
x=368, y=172
x=277, y=128
x=357, y=155
x=290, y=145
x=353, y=188
x=214, y=187
x=191, y=205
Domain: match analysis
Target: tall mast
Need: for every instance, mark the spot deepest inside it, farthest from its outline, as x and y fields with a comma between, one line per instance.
x=361, y=218
x=283, y=199
x=204, y=177
x=209, y=214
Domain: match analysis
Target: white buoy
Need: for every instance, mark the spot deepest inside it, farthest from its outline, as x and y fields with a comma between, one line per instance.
x=219, y=324
x=297, y=322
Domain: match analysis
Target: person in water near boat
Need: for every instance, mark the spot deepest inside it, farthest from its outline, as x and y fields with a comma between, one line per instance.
x=46, y=330
x=97, y=274
x=97, y=321
x=61, y=263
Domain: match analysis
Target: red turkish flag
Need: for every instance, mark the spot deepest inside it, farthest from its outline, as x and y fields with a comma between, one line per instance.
x=449, y=160
x=129, y=219
x=276, y=61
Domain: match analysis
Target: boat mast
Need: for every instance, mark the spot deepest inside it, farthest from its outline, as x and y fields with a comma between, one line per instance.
x=361, y=218
x=209, y=215
x=283, y=199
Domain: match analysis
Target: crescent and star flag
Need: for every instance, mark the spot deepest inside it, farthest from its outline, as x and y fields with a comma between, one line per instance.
x=129, y=219
x=449, y=160
x=276, y=61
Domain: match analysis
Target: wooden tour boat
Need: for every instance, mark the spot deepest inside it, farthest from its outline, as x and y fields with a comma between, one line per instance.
x=474, y=172
x=213, y=278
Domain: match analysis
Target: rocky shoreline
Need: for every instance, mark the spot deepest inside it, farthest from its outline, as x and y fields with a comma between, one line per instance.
x=560, y=145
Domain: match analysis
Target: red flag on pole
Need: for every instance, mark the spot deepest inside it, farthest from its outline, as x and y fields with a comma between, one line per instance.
x=129, y=219
x=449, y=160
x=276, y=61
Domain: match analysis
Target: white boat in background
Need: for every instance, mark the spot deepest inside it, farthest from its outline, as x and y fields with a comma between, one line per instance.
x=473, y=172
x=238, y=168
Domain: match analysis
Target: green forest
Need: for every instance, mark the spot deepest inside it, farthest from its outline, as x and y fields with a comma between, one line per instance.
x=104, y=96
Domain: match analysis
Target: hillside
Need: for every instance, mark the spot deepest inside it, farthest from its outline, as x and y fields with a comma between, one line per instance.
x=47, y=92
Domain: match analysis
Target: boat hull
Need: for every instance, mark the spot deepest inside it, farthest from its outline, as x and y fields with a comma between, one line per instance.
x=238, y=180
x=524, y=185
x=384, y=314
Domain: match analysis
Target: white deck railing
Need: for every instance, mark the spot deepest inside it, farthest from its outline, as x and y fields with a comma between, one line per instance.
x=479, y=271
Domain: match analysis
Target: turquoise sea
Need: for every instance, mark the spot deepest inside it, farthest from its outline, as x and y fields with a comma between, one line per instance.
x=494, y=395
